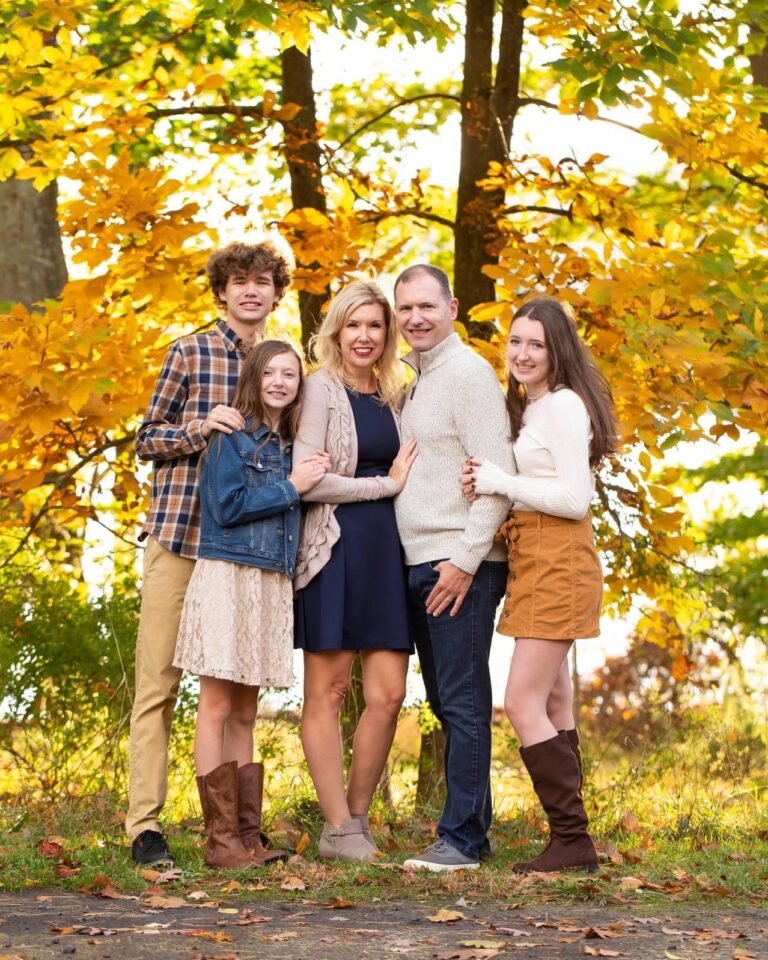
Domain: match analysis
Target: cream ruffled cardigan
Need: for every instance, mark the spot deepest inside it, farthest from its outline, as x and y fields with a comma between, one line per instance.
x=327, y=423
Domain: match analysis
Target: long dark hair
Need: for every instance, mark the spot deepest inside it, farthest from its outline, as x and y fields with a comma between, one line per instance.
x=571, y=367
x=248, y=393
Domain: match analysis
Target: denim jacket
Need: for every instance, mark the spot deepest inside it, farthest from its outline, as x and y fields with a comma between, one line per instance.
x=249, y=509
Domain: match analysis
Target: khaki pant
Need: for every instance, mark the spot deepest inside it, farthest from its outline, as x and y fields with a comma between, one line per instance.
x=166, y=576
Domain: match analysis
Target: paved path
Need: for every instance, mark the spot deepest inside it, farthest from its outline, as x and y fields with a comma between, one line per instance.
x=47, y=924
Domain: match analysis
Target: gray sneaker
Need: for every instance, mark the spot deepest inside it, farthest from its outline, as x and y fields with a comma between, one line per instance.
x=441, y=857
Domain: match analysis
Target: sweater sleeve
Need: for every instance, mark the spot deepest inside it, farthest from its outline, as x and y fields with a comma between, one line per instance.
x=313, y=435
x=480, y=415
x=565, y=427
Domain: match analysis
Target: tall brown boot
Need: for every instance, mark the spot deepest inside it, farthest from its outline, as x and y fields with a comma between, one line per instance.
x=555, y=774
x=574, y=744
x=218, y=798
x=250, y=791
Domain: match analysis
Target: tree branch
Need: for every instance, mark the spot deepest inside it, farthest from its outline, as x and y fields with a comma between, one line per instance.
x=403, y=102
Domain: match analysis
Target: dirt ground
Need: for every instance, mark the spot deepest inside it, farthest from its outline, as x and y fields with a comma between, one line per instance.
x=46, y=924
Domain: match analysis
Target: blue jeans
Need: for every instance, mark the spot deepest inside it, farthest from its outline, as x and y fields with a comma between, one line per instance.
x=453, y=652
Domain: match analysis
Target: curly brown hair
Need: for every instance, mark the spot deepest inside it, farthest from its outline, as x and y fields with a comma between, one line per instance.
x=268, y=256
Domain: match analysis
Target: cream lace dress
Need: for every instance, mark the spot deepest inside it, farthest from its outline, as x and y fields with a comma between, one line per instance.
x=237, y=624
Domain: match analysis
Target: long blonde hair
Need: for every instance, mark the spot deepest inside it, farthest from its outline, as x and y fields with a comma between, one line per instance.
x=324, y=345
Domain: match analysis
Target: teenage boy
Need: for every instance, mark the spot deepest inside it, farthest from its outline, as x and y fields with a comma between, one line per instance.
x=191, y=400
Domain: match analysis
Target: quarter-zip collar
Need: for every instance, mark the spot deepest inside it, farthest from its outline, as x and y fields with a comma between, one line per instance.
x=435, y=357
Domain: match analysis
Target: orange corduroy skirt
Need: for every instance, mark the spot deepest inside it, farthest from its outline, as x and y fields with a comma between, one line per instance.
x=555, y=584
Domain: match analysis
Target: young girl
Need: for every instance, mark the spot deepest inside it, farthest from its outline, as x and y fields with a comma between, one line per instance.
x=236, y=627
x=562, y=424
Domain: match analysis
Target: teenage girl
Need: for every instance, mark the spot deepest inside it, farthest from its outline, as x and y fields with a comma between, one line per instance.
x=236, y=627
x=562, y=424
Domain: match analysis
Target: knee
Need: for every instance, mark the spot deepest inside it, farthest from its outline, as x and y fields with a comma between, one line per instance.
x=517, y=707
x=215, y=709
x=329, y=698
x=386, y=701
x=243, y=716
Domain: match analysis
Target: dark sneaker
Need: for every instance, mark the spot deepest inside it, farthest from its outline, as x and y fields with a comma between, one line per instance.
x=150, y=847
x=441, y=857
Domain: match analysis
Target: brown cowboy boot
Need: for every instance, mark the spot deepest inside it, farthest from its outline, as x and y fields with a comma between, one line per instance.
x=555, y=774
x=218, y=798
x=250, y=791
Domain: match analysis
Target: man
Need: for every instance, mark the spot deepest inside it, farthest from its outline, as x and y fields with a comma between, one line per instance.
x=456, y=574
x=191, y=401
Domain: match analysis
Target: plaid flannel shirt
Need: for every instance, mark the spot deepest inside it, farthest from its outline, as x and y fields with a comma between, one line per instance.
x=199, y=372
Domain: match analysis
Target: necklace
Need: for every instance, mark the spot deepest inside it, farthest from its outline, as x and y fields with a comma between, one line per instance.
x=538, y=395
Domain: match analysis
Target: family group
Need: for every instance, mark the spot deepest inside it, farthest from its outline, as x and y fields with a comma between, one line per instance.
x=360, y=512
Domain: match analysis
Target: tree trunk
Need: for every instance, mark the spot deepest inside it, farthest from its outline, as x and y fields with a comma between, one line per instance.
x=430, y=786
x=302, y=154
x=759, y=63
x=488, y=109
x=32, y=265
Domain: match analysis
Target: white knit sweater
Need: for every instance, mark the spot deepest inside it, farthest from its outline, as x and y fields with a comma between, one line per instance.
x=552, y=458
x=455, y=409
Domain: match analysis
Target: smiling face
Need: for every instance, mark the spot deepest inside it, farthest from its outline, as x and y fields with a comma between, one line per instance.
x=280, y=383
x=528, y=356
x=248, y=300
x=361, y=342
x=424, y=314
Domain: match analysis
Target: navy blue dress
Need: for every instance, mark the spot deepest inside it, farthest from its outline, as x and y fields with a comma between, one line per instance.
x=358, y=601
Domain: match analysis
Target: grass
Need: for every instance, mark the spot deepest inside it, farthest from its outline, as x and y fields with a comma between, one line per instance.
x=680, y=816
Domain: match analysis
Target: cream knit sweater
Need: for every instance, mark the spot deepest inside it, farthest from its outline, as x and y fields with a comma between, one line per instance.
x=455, y=408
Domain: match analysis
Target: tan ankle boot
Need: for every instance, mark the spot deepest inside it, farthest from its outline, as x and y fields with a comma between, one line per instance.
x=218, y=797
x=345, y=842
x=366, y=828
x=250, y=792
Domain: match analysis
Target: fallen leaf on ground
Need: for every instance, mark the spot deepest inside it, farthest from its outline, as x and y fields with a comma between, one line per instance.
x=599, y=933
x=278, y=936
x=743, y=955
x=231, y=910
x=339, y=903
x=445, y=916
x=67, y=870
x=483, y=944
x=162, y=876
x=293, y=882
x=85, y=931
x=609, y=851
x=304, y=841
x=197, y=895
x=219, y=937
x=631, y=883
x=468, y=954
x=248, y=920
x=513, y=932
x=52, y=846
x=602, y=952
x=629, y=822
x=164, y=903
x=231, y=885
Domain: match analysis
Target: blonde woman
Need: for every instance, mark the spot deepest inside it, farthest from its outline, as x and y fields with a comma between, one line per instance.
x=350, y=581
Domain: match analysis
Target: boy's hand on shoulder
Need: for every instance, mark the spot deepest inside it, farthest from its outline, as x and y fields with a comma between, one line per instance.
x=223, y=418
x=307, y=473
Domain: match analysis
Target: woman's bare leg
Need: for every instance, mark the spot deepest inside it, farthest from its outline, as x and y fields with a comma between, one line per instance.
x=384, y=673
x=534, y=672
x=326, y=680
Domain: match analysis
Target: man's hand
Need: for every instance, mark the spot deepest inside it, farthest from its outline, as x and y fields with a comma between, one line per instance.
x=451, y=588
x=223, y=418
